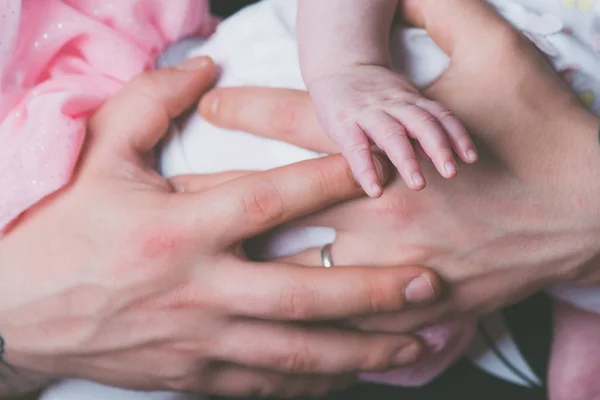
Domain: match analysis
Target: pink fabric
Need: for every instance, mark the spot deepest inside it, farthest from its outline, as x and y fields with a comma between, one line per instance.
x=55, y=72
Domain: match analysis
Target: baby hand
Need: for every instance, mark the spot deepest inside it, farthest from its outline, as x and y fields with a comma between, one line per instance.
x=365, y=105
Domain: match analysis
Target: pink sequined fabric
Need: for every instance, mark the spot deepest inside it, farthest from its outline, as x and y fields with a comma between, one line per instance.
x=54, y=73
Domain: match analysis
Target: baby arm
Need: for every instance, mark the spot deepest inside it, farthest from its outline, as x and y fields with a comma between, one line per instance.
x=345, y=60
x=334, y=34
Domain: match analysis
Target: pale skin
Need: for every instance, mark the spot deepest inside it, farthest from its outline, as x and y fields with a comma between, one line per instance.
x=123, y=269
x=535, y=237
x=527, y=217
x=360, y=101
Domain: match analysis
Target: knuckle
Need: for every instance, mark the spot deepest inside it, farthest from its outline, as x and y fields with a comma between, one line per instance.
x=145, y=80
x=263, y=204
x=336, y=179
x=378, y=299
x=358, y=148
x=148, y=88
x=180, y=375
x=176, y=383
x=264, y=388
x=341, y=115
x=297, y=303
x=410, y=165
x=377, y=359
x=297, y=360
x=427, y=119
x=392, y=133
x=326, y=181
x=443, y=151
x=445, y=115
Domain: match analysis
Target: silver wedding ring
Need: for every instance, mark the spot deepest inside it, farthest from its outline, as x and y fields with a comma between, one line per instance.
x=326, y=258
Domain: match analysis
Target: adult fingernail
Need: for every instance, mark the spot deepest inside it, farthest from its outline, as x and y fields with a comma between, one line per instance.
x=419, y=291
x=407, y=355
x=178, y=187
x=209, y=105
x=194, y=64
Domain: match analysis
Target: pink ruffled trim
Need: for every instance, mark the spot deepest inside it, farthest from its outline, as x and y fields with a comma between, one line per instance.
x=59, y=61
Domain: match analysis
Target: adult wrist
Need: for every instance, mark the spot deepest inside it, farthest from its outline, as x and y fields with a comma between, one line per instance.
x=16, y=382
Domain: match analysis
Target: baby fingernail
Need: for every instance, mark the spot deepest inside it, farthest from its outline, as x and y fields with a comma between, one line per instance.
x=472, y=155
x=419, y=291
x=194, y=64
x=451, y=168
x=418, y=180
x=407, y=355
x=375, y=190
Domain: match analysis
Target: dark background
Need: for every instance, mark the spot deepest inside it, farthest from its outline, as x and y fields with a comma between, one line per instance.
x=224, y=8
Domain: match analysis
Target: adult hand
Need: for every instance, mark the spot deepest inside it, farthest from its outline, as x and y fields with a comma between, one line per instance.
x=523, y=218
x=133, y=281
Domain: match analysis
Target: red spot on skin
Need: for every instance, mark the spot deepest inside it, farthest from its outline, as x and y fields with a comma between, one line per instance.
x=153, y=253
x=158, y=242
x=398, y=212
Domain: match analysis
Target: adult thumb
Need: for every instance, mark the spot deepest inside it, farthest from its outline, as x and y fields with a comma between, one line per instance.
x=137, y=117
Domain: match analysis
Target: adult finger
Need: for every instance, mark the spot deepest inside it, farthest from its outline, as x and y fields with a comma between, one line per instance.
x=285, y=292
x=139, y=115
x=282, y=114
x=199, y=183
x=465, y=297
x=251, y=205
x=237, y=381
x=420, y=292
x=294, y=349
x=408, y=320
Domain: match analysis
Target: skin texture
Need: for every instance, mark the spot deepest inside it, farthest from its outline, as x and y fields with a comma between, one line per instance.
x=360, y=101
x=130, y=270
x=525, y=218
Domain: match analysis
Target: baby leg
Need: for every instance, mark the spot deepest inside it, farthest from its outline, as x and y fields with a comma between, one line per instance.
x=574, y=372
